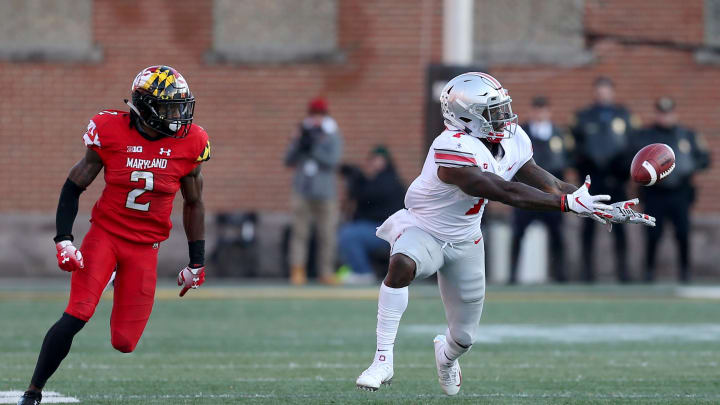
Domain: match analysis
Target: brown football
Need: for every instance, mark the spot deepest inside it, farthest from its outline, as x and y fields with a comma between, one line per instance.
x=652, y=164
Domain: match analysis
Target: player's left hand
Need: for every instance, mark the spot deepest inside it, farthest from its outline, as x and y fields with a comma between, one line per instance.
x=621, y=212
x=190, y=278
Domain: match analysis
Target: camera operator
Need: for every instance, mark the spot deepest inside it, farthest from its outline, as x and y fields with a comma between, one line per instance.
x=314, y=153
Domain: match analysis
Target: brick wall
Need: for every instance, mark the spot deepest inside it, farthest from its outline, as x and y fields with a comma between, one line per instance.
x=641, y=73
x=376, y=94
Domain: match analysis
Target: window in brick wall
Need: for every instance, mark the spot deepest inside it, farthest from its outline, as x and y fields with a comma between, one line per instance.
x=529, y=32
x=47, y=30
x=251, y=31
x=711, y=17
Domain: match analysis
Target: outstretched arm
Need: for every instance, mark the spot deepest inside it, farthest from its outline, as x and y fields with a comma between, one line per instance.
x=477, y=183
x=535, y=176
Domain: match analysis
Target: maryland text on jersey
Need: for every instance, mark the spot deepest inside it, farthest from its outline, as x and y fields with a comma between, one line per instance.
x=146, y=163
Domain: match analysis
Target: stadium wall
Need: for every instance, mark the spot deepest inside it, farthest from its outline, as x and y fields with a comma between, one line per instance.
x=375, y=89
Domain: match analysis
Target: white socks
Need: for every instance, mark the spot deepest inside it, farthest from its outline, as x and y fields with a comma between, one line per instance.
x=452, y=349
x=392, y=302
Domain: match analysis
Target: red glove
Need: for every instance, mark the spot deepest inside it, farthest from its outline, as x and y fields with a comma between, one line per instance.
x=190, y=278
x=68, y=256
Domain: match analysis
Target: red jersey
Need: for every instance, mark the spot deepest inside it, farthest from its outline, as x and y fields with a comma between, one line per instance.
x=141, y=175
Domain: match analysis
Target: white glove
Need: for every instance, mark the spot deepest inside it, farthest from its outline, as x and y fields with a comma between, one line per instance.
x=622, y=213
x=586, y=205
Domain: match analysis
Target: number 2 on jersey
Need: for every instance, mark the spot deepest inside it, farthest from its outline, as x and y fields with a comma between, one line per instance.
x=135, y=193
x=476, y=208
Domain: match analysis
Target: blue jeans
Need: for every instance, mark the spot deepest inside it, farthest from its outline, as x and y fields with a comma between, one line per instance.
x=356, y=241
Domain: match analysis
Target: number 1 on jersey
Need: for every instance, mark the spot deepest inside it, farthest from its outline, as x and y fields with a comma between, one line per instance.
x=135, y=193
x=476, y=208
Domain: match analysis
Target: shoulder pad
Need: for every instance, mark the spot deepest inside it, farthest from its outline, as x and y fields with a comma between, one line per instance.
x=452, y=149
x=201, y=139
x=91, y=137
x=205, y=154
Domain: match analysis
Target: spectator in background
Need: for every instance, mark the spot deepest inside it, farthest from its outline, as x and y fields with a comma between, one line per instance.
x=672, y=197
x=550, y=153
x=314, y=153
x=600, y=133
x=374, y=194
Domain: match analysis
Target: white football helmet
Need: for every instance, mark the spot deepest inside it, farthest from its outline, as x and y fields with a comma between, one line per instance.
x=477, y=104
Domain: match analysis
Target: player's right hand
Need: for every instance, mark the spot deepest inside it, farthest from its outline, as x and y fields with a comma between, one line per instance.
x=622, y=213
x=68, y=256
x=190, y=277
x=586, y=205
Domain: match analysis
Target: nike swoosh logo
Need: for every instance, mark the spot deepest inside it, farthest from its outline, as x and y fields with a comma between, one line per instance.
x=510, y=168
x=577, y=199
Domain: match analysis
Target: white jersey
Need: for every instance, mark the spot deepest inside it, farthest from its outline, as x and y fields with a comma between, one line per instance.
x=445, y=211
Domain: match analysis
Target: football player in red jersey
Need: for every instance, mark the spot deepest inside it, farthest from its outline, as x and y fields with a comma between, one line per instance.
x=148, y=154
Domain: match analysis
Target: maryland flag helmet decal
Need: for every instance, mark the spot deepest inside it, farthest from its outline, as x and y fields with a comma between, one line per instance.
x=163, y=82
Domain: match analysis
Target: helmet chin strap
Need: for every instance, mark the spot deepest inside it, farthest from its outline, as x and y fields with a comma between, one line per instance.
x=132, y=107
x=140, y=118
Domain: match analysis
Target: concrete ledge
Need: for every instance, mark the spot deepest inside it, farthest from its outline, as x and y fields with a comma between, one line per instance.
x=27, y=249
x=704, y=242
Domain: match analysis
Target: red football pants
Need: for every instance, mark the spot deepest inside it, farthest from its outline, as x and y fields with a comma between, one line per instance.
x=134, y=290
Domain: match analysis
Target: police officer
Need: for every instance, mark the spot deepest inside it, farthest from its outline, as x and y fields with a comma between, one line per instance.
x=549, y=151
x=601, y=133
x=672, y=197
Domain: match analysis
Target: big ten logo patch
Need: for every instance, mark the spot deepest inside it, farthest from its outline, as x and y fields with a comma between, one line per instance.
x=134, y=149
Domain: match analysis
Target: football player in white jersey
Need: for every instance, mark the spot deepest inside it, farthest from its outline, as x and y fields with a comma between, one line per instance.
x=474, y=160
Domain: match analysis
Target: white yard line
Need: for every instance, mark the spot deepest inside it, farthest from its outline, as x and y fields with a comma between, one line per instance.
x=712, y=293
x=49, y=397
x=583, y=333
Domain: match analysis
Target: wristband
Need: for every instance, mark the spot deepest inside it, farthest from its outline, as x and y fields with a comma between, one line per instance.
x=197, y=253
x=563, y=203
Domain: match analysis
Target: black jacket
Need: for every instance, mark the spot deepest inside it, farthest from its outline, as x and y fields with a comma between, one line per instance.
x=377, y=198
x=690, y=155
x=602, y=137
x=550, y=154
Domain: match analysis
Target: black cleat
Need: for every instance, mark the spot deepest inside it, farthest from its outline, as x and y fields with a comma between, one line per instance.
x=30, y=398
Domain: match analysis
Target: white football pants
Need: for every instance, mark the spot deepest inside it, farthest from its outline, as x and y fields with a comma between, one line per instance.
x=461, y=277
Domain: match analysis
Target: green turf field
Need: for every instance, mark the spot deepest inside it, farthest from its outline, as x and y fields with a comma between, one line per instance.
x=264, y=344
